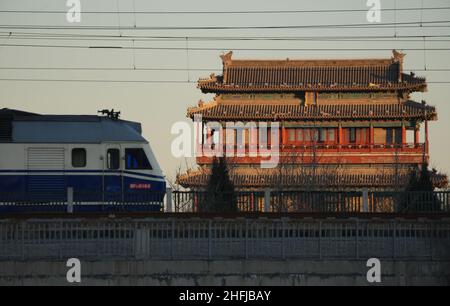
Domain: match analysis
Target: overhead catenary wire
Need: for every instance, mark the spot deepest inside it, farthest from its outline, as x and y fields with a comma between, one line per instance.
x=395, y=19
x=424, y=54
x=421, y=12
x=64, y=36
x=93, y=80
x=409, y=24
x=226, y=12
x=118, y=17
x=126, y=81
x=112, y=69
x=134, y=12
x=217, y=48
x=187, y=59
x=444, y=38
x=166, y=69
x=134, y=56
x=16, y=34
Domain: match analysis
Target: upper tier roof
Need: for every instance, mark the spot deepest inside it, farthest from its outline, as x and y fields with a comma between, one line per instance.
x=312, y=75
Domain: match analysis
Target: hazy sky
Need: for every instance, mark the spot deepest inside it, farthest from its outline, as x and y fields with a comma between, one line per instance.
x=159, y=105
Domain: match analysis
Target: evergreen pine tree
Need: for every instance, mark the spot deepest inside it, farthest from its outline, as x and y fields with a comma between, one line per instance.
x=420, y=181
x=220, y=195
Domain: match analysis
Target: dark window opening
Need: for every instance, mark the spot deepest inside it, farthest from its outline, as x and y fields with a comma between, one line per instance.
x=136, y=159
x=352, y=135
x=322, y=135
x=389, y=136
x=79, y=158
x=300, y=135
x=331, y=135
x=291, y=135
x=393, y=136
x=113, y=159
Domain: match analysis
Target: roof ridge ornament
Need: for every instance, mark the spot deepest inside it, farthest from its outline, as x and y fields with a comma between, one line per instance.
x=226, y=58
x=398, y=56
x=213, y=77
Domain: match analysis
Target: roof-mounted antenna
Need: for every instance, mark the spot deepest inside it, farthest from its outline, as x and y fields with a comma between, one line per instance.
x=110, y=113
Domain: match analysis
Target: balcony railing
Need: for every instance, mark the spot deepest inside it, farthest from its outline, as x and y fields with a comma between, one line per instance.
x=356, y=146
x=319, y=146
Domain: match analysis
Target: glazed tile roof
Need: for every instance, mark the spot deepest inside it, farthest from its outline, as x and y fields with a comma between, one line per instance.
x=312, y=75
x=408, y=110
x=259, y=178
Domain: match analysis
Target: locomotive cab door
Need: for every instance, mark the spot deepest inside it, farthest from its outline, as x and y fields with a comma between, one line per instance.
x=113, y=175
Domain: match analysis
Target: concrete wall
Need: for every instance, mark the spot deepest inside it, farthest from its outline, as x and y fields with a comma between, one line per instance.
x=228, y=272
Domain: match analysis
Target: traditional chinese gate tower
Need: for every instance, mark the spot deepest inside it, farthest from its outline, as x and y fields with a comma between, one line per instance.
x=345, y=124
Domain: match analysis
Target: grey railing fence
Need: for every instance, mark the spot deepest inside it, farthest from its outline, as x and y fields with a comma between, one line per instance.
x=212, y=238
x=246, y=201
x=71, y=200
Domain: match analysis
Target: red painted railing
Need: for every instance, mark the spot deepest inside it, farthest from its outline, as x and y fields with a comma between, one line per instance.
x=331, y=153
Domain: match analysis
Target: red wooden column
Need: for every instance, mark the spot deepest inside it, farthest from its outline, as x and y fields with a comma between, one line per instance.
x=340, y=135
x=426, y=127
x=199, y=137
x=209, y=136
x=283, y=137
x=254, y=142
x=427, y=150
x=371, y=135
x=403, y=134
x=416, y=136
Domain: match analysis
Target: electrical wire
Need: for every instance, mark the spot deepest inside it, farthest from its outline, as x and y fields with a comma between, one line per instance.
x=226, y=12
x=431, y=24
x=216, y=48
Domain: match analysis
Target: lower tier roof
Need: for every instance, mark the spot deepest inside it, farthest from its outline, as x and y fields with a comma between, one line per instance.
x=246, y=177
x=247, y=111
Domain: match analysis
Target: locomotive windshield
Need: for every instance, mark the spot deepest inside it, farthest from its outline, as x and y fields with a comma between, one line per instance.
x=136, y=159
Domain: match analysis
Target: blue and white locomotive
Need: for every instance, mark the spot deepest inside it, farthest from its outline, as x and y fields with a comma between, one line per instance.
x=103, y=162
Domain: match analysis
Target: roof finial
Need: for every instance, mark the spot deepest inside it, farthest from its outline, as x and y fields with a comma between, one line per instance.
x=226, y=58
x=397, y=56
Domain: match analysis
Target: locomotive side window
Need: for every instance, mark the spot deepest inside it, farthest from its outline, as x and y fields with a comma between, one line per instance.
x=113, y=159
x=136, y=159
x=79, y=158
